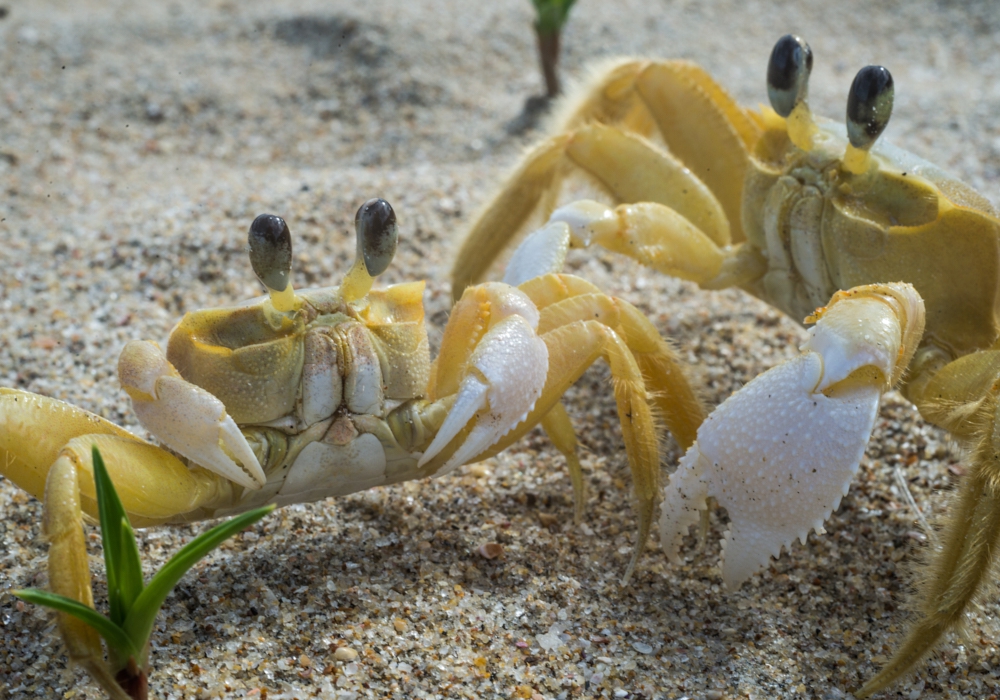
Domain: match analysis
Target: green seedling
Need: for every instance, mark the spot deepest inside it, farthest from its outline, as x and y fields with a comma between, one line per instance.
x=133, y=605
x=552, y=15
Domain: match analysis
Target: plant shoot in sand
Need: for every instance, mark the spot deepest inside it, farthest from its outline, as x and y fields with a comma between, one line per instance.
x=133, y=605
x=552, y=15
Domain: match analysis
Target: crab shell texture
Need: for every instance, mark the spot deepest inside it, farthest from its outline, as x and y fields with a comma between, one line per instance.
x=793, y=209
x=823, y=229
x=297, y=377
x=299, y=382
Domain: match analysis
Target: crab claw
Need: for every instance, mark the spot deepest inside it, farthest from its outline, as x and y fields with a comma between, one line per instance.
x=509, y=366
x=185, y=417
x=780, y=453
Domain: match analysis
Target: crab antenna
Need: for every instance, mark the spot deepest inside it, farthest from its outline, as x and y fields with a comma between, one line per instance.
x=271, y=259
x=788, y=87
x=869, y=106
x=377, y=234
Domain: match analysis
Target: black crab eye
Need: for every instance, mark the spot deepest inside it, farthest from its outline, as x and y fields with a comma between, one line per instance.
x=271, y=251
x=375, y=224
x=788, y=73
x=869, y=105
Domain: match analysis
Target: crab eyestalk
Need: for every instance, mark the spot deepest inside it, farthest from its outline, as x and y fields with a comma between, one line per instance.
x=271, y=259
x=869, y=106
x=377, y=234
x=788, y=87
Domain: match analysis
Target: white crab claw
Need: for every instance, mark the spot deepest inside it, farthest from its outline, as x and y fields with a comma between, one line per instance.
x=587, y=219
x=780, y=453
x=540, y=253
x=185, y=417
x=509, y=369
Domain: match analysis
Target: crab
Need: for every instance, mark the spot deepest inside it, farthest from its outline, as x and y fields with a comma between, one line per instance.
x=791, y=208
x=303, y=394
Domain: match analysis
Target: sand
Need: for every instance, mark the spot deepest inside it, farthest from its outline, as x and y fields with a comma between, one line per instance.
x=138, y=142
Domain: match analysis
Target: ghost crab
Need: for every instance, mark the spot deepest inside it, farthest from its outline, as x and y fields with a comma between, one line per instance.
x=303, y=394
x=792, y=209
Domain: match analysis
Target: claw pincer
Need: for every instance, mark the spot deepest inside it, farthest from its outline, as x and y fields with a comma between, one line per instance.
x=780, y=453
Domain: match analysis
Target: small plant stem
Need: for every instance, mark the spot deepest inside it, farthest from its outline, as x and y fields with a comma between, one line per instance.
x=548, y=55
x=134, y=681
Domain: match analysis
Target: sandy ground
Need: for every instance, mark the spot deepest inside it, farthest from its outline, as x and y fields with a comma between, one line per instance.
x=137, y=144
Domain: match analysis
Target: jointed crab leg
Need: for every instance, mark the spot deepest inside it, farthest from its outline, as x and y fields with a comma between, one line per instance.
x=580, y=325
x=564, y=299
x=963, y=398
x=37, y=432
x=572, y=349
x=69, y=569
x=709, y=136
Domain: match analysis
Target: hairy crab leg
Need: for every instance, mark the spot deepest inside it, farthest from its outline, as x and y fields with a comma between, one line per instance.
x=576, y=326
x=557, y=425
x=563, y=299
x=709, y=136
x=567, y=301
x=43, y=440
x=961, y=397
x=704, y=127
x=69, y=567
x=582, y=328
x=780, y=453
x=572, y=349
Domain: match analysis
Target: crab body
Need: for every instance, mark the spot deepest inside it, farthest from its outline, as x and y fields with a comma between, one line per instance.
x=334, y=407
x=301, y=395
x=797, y=211
x=822, y=229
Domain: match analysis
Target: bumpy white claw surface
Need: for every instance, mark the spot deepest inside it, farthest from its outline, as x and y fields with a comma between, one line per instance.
x=542, y=252
x=511, y=363
x=780, y=453
x=185, y=417
x=777, y=457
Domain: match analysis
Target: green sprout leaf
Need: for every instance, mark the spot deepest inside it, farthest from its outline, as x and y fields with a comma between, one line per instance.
x=113, y=634
x=121, y=555
x=552, y=15
x=133, y=607
x=139, y=623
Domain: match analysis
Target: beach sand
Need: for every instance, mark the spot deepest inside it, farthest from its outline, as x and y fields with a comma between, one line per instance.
x=138, y=142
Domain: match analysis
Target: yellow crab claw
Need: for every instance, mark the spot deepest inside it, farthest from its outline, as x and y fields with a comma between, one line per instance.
x=185, y=417
x=509, y=367
x=780, y=453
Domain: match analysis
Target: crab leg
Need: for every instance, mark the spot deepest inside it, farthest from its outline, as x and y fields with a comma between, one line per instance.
x=704, y=127
x=580, y=325
x=557, y=425
x=46, y=447
x=572, y=349
x=576, y=325
x=780, y=453
x=37, y=432
x=631, y=168
x=566, y=299
x=709, y=136
x=962, y=398
x=69, y=569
